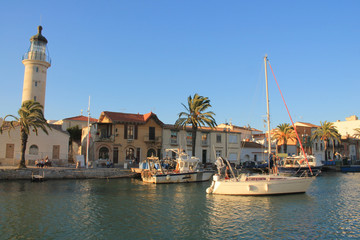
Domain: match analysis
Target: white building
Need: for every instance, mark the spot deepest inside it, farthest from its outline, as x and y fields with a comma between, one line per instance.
x=225, y=140
x=55, y=146
x=349, y=141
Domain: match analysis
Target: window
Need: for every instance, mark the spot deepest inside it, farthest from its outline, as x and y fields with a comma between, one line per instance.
x=151, y=133
x=204, y=139
x=36, y=83
x=37, y=69
x=173, y=138
x=130, y=132
x=232, y=138
x=316, y=147
x=33, y=150
x=35, y=98
x=218, y=138
x=130, y=154
x=218, y=153
x=189, y=138
x=321, y=147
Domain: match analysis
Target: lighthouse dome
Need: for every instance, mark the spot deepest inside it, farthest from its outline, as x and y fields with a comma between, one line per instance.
x=39, y=37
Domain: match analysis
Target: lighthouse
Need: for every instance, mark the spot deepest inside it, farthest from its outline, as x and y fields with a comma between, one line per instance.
x=36, y=61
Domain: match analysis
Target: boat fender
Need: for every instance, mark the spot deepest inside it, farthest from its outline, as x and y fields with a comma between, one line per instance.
x=167, y=177
x=210, y=189
x=266, y=187
x=249, y=187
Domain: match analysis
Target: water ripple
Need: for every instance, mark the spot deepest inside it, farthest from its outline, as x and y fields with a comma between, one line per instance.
x=130, y=209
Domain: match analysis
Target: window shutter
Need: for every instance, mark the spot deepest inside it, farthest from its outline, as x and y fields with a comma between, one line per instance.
x=136, y=132
x=125, y=131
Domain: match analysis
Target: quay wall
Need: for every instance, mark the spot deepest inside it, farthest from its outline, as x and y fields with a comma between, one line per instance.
x=63, y=173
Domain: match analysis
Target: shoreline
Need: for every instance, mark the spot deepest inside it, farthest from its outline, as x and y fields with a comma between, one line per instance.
x=56, y=173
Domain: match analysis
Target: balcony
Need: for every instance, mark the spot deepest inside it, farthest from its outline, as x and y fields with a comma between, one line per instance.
x=204, y=143
x=35, y=55
x=102, y=138
x=149, y=139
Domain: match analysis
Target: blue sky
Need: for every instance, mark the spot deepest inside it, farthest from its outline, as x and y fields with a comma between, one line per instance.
x=141, y=56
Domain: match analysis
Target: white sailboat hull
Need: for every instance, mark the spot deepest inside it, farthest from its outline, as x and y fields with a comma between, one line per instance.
x=199, y=176
x=268, y=185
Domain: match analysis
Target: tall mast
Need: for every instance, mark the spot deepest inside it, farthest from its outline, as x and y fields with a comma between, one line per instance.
x=88, y=137
x=267, y=108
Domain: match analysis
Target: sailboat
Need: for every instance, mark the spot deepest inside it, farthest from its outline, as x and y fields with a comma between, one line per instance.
x=259, y=184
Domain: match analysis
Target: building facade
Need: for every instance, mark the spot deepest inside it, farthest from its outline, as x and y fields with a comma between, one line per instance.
x=123, y=138
x=225, y=141
x=54, y=145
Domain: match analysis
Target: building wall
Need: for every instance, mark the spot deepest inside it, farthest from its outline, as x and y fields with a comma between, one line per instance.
x=253, y=155
x=45, y=144
x=117, y=141
x=206, y=151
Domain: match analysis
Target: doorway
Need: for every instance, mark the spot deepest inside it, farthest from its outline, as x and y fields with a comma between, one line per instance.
x=204, y=153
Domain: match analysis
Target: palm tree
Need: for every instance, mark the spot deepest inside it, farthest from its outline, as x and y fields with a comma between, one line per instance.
x=326, y=132
x=357, y=133
x=196, y=116
x=31, y=118
x=283, y=133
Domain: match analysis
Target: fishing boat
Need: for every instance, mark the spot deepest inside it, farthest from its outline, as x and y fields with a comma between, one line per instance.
x=187, y=169
x=296, y=165
x=259, y=184
x=145, y=164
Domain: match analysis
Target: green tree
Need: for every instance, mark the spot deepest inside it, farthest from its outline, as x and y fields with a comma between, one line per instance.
x=75, y=134
x=196, y=116
x=31, y=118
x=326, y=132
x=283, y=133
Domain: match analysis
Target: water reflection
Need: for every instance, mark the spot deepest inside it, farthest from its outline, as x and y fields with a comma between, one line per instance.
x=130, y=209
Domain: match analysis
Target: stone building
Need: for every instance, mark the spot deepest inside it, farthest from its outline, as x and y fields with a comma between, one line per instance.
x=123, y=138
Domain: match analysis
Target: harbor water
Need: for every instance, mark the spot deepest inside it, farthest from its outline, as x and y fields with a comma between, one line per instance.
x=130, y=209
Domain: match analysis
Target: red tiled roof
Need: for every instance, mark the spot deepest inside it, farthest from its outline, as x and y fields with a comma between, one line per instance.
x=81, y=118
x=130, y=118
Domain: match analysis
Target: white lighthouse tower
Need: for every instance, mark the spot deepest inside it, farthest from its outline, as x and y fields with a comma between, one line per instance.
x=36, y=62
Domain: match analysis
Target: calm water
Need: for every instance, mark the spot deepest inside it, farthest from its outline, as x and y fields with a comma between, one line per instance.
x=129, y=209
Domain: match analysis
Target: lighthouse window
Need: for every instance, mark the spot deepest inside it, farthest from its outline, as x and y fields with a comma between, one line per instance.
x=35, y=98
x=35, y=84
x=37, y=69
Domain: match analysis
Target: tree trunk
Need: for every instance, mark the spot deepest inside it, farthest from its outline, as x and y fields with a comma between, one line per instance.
x=325, y=143
x=24, y=138
x=193, y=138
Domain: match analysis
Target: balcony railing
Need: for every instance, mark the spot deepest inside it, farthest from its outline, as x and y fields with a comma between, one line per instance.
x=101, y=138
x=36, y=56
x=153, y=140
